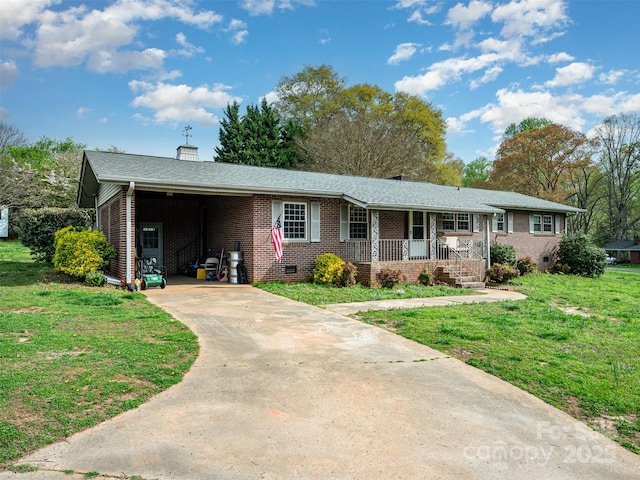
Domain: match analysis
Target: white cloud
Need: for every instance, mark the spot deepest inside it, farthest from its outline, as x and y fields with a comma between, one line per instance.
x=612, y=76
x=172, y=103
x=82, y=110
x=271, y=97
x=529, y=17
x=102, y=37
x=560, y=58
x=238, y=31
x=464, y=17
x=4, y=113
x=577, y=72
x=490, y=75
x=18, y=13
x=8, y=74
x=188, y=50
x=266, y=7
x=403, y=52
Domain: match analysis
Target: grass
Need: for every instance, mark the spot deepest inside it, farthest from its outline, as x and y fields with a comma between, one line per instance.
x=574, y=343
x=315, y=294
x=73, y=356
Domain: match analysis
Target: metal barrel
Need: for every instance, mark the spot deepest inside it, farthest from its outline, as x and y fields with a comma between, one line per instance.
x=233, y=259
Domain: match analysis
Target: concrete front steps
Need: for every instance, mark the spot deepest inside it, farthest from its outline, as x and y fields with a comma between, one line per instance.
x=446, y=274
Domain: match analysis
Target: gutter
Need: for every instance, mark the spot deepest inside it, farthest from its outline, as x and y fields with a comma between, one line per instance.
x=129, y=246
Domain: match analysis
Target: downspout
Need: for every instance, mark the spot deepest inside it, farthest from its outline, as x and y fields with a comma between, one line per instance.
x=129, y=246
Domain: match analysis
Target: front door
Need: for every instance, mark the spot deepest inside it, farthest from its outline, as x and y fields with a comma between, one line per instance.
x=151, y=241
x=417, y=234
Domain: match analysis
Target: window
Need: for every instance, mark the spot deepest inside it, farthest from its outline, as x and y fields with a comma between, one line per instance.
x=498, y=222
x=455, y=222
x=150, y=237
x=541, y=223
x=295, y=221
x=463, y=222
x=357, y=223
x=448, y=221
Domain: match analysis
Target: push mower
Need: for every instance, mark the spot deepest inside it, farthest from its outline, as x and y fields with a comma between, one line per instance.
x=150, y=274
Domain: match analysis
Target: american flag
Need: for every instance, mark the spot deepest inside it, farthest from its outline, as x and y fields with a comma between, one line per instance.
x=276, y=239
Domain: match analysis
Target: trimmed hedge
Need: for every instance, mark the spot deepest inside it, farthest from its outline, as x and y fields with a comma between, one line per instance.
x=39, y=226
x=581, y=256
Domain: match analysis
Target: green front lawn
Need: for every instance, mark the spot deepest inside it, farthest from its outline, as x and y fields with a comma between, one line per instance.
x=73, y=356
x=574, y=342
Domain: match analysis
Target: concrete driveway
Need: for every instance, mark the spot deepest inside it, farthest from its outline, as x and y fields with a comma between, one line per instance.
x=283, y=390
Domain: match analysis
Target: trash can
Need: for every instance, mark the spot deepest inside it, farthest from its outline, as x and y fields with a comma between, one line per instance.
x=233, y=258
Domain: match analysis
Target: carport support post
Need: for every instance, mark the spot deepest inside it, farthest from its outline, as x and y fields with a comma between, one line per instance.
x=129, y=246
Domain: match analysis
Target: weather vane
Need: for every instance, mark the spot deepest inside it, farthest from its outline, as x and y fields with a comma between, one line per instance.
x=186, y=133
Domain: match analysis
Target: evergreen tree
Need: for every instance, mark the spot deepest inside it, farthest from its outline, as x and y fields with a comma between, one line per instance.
x=231, y=136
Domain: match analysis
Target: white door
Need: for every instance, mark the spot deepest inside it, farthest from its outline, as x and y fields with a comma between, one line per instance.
x=151, y=241
x=417, y=234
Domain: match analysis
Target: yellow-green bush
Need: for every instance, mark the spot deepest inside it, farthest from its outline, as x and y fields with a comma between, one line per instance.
x=328, y=269
x=79, y=252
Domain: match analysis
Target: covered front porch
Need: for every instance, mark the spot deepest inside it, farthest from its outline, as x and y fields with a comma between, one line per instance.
x=457, y=259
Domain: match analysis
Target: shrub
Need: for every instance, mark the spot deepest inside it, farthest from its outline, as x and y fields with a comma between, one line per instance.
x=389, y=278
x=95, y=279
x=526, y=265
x=560, y=268
x=426, y=277
x=502, y=273
x=502, y=253
x=38, y=228
x=348, y=277
x=328, y=269
x=80, y=252
x=581, y=255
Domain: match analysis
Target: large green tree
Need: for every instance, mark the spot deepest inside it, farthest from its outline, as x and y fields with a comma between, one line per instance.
x=619, y=149
x=257, y=138
x=476, y=173
x=364, y=129
x=537, y=162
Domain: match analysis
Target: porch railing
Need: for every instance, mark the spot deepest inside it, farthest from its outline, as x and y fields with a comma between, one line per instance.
x=396, y=250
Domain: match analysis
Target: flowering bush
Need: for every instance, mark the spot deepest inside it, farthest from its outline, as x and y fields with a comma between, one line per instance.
x=328, y=269
x=389, y=278
x=80, y=252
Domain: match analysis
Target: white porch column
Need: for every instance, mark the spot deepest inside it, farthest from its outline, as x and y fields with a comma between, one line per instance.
x=129, y=229
x=487, y=238
x=375, y=235
x=433, y=226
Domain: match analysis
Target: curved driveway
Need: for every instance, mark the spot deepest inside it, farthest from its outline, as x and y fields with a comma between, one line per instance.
x=282, y=390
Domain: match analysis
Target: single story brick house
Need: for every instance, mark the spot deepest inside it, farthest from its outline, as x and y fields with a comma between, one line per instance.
x=178, y=209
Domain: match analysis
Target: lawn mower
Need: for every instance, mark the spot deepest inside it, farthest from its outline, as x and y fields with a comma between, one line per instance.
x=149, y=274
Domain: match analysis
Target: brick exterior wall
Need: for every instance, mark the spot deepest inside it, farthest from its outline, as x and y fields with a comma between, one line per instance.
x=541, y=247
x=180, y=221
x=247, y=220
x=113, y=222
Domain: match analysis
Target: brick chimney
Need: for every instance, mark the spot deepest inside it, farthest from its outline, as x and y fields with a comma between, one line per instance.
x=636, y=240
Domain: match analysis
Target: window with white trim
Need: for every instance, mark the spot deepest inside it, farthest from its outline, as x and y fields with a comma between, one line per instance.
x=541, y=223
x=294, y=223
x=498, y=222
x=455, y=222
x=357, y=223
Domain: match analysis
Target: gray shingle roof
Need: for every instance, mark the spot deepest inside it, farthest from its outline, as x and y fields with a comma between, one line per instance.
x=211, y=177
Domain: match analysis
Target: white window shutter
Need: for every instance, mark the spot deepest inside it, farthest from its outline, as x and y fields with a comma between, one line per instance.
x=531, y=223
x=510, y=222
x=439, y=223
x=476, y=222
x=494, y=224
x=276, y=211
x=315, y=221
x=344, y=222
x=557, y=220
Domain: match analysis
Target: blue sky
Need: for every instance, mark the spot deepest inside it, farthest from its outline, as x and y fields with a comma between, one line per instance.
x=133, y=73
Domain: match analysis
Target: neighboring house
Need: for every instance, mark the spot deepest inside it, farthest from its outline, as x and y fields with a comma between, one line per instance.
x=176, y=210
x=4, y=222
x=631, y=247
